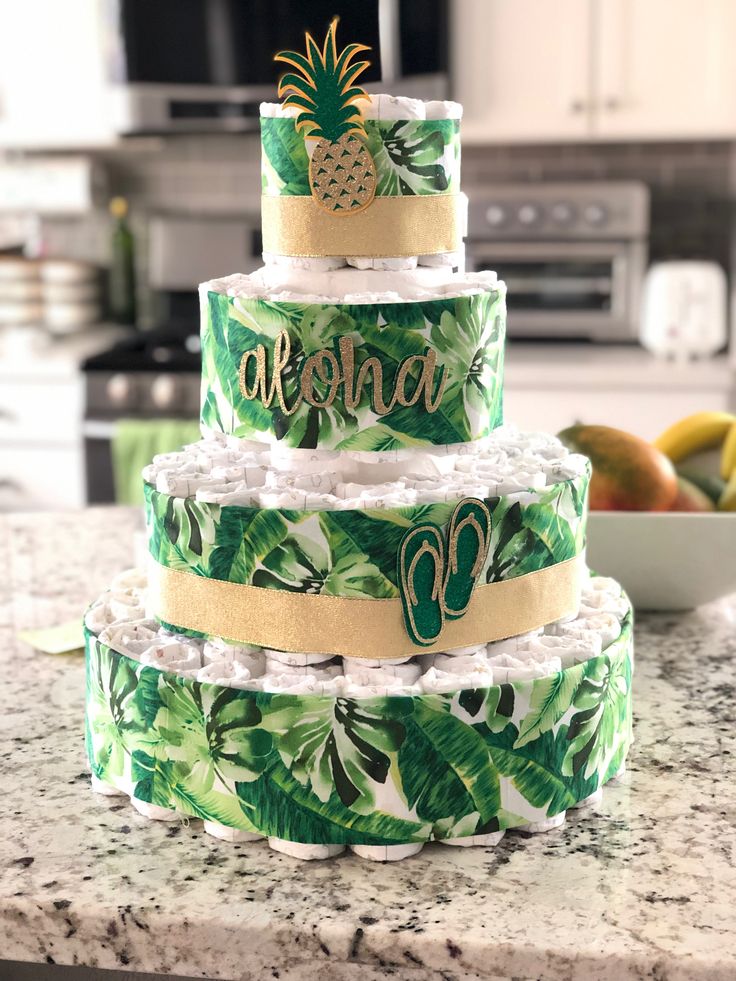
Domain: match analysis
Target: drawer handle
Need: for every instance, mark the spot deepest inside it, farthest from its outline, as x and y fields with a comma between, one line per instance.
x=7, y=415
x=7, y=484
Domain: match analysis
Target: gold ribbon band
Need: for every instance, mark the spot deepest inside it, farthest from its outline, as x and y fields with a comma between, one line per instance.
x=422, y=224
x=318, y=623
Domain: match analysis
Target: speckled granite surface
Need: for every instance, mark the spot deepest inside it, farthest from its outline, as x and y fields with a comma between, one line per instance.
x=640, y=886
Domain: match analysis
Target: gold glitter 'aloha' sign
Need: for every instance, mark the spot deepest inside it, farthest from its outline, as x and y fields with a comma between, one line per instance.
x=262, y=379
x=367, y=377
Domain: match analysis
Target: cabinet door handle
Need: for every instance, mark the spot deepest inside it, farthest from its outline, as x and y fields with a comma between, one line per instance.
x=577, y=106
x=7, y=416
x=612, y=103
x=7, y=484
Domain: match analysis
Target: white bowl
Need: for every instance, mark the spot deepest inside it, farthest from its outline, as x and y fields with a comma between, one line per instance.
x=665, y=560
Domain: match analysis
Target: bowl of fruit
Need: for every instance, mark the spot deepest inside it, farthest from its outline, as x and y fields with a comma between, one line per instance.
x=663, y=514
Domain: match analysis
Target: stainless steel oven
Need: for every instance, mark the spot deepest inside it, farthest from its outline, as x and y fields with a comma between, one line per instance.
x=573, y=256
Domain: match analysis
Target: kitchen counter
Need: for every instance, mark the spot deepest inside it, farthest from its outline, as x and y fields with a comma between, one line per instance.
x=641, y=885
x=551, y=386
x=627, y=366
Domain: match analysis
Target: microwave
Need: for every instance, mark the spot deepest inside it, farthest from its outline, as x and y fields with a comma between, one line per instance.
x=205, y=65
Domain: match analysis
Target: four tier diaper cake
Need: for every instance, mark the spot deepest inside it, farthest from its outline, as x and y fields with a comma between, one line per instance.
x=366, y=621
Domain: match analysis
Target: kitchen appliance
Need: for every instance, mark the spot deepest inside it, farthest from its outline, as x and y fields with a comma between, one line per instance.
x=205, y=65
x=156, y=374
x=573, y=255
x=684, y=309
x=152, y=375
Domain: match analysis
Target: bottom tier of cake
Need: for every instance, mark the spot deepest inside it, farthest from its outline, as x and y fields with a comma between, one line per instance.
x=318, y=755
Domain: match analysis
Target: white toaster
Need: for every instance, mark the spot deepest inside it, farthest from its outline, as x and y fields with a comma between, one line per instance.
x=684, y=309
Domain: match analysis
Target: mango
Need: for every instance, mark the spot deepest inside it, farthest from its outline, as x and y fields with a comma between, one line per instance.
x=629, y=474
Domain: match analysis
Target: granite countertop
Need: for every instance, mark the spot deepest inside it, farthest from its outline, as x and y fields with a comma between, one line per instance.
x=640, y=886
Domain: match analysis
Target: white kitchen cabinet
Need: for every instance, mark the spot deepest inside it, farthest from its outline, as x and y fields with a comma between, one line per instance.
x=595, y=69
x=53, y=74
x=521, y=69
x=41, y=450
x=665, y=68
x=41, y=411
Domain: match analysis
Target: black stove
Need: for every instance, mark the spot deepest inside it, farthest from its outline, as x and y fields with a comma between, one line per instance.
x=163, y=349
x=150, y=375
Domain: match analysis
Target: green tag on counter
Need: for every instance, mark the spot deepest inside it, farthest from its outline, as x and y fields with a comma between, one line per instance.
x=66, y=638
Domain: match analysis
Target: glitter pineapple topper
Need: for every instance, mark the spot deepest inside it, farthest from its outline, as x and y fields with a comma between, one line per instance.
x=342, y=173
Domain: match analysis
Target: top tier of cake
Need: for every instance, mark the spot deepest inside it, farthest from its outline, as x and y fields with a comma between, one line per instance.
x=394, y=193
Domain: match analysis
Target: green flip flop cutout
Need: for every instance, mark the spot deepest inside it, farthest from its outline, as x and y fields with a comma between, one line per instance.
x=421, y=563
x=468, y=540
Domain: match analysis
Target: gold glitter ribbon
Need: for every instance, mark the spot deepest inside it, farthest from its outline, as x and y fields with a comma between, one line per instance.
x=322, y=624
x=420, y=224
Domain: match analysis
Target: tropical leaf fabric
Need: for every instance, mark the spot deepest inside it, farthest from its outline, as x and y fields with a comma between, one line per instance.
x=415, y=156
x=353, y=552
x=467, y=334
x=388, y=770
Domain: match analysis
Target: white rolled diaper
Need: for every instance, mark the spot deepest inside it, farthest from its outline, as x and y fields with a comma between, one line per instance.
x=99, y=617
x=434, y=682
x=482, y=841
x=319, y=264
x=507, y=668
x=510, y=645
x=306, y=852
x=602, y=595
x=250, y=657
x=357, y=675
x=226, y=833
x=606, y=625
x=133, y=638
x=184, y=659
x=461, y=663
x=296, y=684
x=126, y=604
x=325, y=671
x=229, y=674
x=570, y=650
x=289, y=659
x=387, y=853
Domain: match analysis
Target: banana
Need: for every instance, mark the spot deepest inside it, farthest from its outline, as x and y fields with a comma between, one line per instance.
x=728, y=453
x=700, y=431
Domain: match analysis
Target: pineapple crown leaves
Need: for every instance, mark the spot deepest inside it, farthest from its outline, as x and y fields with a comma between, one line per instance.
x=323, y=88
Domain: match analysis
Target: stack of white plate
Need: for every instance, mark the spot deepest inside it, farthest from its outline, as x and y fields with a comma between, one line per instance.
x=21, y=301
x=71, y=295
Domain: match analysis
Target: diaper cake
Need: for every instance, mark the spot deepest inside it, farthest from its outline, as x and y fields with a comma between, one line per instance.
x=366, y=621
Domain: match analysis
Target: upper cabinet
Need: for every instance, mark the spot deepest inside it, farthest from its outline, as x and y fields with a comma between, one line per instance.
x=54, y=89
x=665, y=68
x=530, y=71
x=522, y=67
